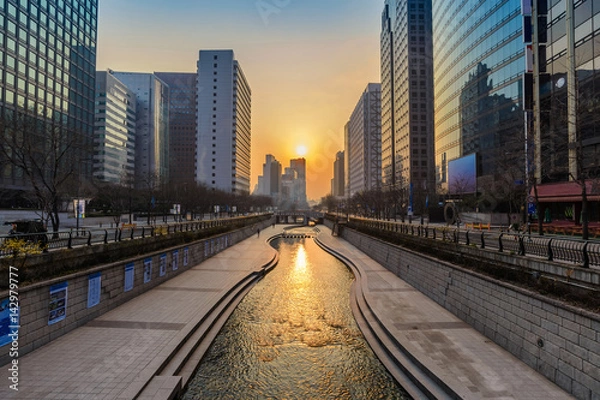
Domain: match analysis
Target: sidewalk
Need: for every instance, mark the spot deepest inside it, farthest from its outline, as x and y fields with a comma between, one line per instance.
x=116, y=355
x=460, y=358
x=137, y=350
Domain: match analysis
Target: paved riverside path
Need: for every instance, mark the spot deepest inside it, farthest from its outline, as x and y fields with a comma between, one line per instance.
x=116, y=354
x=467, y=362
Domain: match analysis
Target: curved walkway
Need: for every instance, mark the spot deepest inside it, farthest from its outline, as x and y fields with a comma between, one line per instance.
x=139, y=350
x=428, y=349
x=145, y=348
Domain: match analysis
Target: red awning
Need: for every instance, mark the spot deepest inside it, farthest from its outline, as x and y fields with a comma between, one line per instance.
x=566, y=192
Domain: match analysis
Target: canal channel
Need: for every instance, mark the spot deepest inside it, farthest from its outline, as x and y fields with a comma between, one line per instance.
x=294, y=337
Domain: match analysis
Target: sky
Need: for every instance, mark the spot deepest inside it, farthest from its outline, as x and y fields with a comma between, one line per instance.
x=307, y=63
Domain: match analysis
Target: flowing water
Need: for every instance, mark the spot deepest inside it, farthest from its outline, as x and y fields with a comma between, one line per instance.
x=294, y=337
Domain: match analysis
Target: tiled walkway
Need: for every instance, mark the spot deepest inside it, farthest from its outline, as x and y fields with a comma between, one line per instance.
x=117, y=354
x=467, y=362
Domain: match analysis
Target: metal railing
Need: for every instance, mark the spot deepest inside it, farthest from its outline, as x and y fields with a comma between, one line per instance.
x=68, y=239
x=583, y=253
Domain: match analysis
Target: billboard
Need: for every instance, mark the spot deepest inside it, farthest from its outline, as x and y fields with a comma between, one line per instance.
x=462, y=175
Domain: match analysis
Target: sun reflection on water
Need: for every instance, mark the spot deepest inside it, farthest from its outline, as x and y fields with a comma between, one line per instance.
x=294, y=336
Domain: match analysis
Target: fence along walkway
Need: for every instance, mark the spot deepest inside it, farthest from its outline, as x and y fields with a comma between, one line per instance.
x=583, y=253
x=68, y=239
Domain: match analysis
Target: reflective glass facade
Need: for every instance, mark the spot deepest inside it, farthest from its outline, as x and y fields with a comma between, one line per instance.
x=478, y=66
x=554, y=78
x=152, y=127
x=114, y=134
x=48, y=58
x=182, y=125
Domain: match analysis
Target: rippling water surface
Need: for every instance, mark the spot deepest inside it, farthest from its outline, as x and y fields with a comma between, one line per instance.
x=294, y=337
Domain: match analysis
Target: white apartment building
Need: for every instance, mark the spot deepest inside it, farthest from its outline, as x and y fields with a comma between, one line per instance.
x=223, y=146
x=362, y=153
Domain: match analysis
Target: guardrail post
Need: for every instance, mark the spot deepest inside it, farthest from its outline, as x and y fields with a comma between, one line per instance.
x=143, y=232
x=521, y=246
x=132, y=232
x=106, y=236
x=482, y=240
x=89, y=242
x=500, y=248
x=550, y=255
x=120, y=233
x=70, y=242
x=467, y=237
x=586, y=258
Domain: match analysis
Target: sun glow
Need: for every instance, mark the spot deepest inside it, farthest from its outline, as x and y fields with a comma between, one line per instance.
x=301, y=150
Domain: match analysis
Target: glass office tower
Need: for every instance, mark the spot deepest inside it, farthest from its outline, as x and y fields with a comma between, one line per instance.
x=48, y=58
x=478, y=79
x=182, y=125
x=114, y=138
x=583, y=34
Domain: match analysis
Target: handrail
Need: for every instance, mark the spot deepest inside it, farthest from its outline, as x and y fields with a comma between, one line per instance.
x=585, y=254
x=89, y=236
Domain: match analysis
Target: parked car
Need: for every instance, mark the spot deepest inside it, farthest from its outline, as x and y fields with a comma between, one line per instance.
x=29, y=230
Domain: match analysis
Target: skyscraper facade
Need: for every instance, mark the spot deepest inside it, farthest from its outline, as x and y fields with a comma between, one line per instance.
x=48, y=58
x=407, y=139
x=271, y=178
x=114, y=130
x=299, y=165
x=152, y=128
x=479, y=68
x=569, y=39
x=363, y=142
x=337, y=183
x=182, y=125
x=224, y=123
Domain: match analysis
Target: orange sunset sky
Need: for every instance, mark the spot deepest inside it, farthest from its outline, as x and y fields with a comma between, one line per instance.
x=307, y=63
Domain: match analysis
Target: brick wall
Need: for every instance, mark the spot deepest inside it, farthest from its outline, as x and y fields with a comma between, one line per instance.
x=559, y=341
x=34, y=300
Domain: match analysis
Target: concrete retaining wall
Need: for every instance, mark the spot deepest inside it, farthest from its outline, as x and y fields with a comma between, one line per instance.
x=36, y=328
x=559, y=341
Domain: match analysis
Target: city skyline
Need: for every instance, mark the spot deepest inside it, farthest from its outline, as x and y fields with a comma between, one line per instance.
x=305, y=62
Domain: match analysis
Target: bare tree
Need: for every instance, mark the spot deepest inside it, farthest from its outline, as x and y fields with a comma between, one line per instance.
x=47, y=154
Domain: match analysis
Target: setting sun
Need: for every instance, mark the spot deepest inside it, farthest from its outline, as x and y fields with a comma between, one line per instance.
x=301, y=150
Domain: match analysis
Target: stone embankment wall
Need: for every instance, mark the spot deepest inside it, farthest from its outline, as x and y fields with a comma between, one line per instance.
x=558, y=340
x=38, y=309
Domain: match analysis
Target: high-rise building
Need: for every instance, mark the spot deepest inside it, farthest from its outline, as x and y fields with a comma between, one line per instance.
x=289, y=197
x=182, y=125
x=114, y=131
x=337, y=183
x=363, y=142
x=152, y=128
x=271, y=177
x=48, y=58
x=407, y=137
x=388, y=148
x=557, y=37
x=479, y=67
x=565, y=144
x=299, y=165
x=224, y=123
